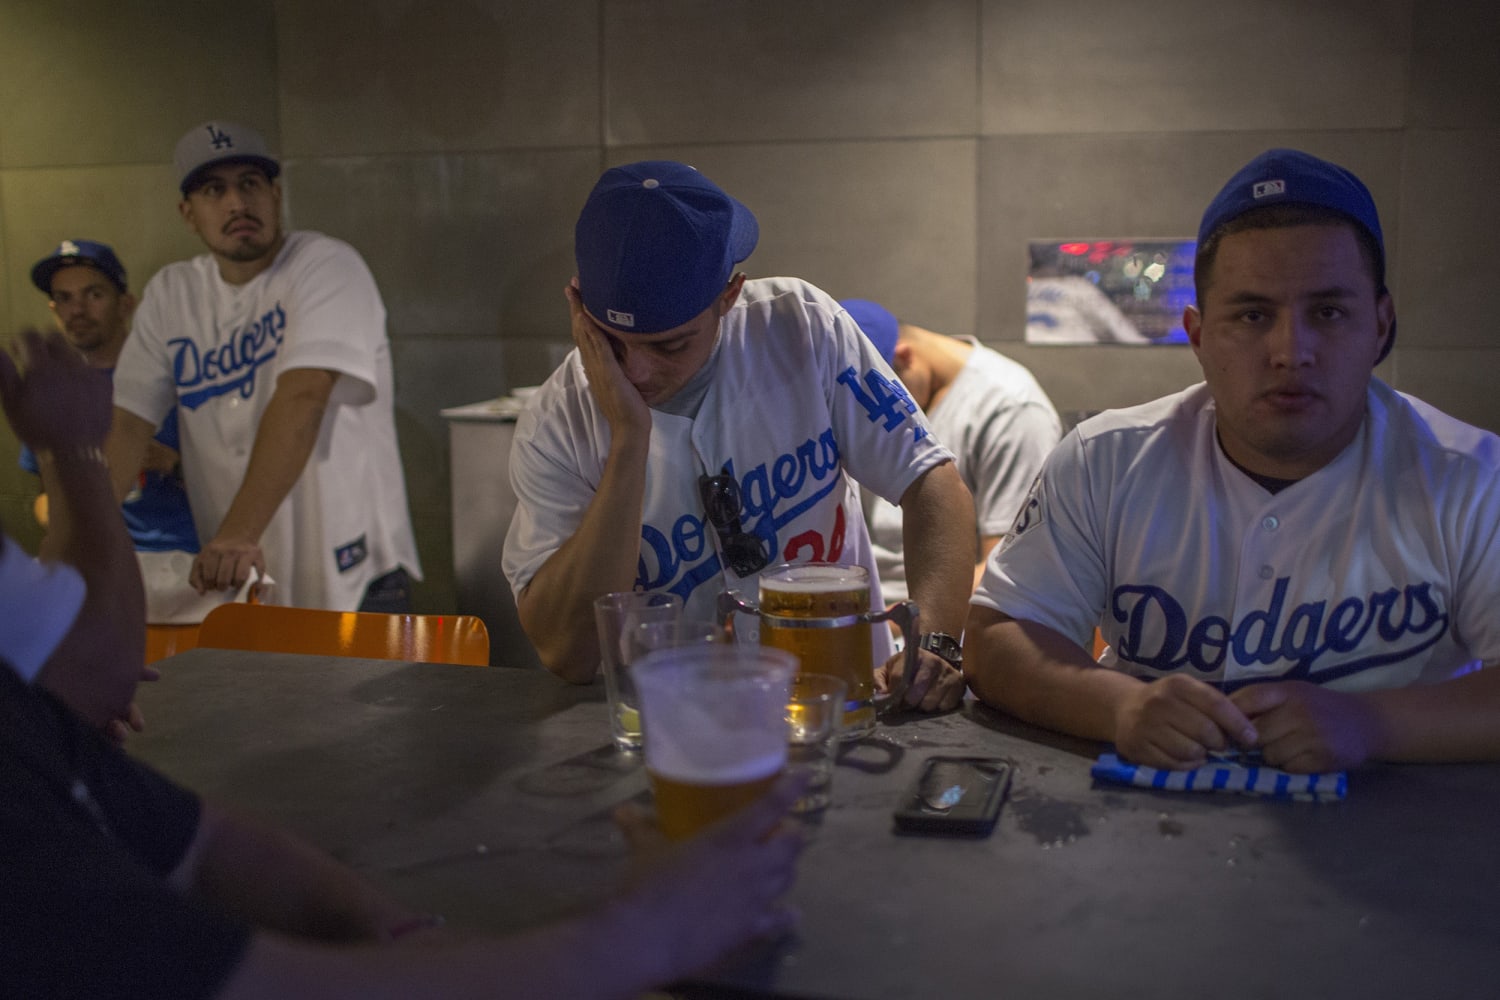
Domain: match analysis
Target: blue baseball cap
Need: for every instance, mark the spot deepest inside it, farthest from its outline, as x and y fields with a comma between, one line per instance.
x=656, y=243
x=877, y=323
x=71, y=253
x=212, y=143
x=1292, y=177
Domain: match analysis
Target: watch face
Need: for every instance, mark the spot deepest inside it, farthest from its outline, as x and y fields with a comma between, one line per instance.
x=943, y=645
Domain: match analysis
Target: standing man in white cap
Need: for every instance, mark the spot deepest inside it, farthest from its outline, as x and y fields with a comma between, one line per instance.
x=273, y=347
x=708, y=427
x=1291, y=556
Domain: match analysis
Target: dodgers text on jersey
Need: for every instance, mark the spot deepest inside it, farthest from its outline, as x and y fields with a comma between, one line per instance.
x=204, y=373
x=774, y=494
x=1384, y=627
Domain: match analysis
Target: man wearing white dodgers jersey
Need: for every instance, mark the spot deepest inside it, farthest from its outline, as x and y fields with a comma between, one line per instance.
x=273, y=348
x=1291, y=556
x=707, y=427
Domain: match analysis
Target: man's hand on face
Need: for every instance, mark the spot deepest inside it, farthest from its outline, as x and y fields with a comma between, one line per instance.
x=1176, y=722
x=1306, y=728
x=621, y=402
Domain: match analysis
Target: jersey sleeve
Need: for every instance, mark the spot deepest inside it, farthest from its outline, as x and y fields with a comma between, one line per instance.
x=885, y=438
x=1050, y=569
x=552, y=482
x=1004, y=457
x=1473, y=524
x=143, y=382
x=336, y=319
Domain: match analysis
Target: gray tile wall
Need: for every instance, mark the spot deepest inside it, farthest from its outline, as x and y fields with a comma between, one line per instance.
x=900, y=149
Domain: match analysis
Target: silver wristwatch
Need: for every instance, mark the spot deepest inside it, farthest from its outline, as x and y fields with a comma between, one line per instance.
x=943, y=645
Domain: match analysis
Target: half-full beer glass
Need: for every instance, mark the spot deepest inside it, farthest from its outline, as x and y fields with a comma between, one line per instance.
x=820, y=613
x=714, y=720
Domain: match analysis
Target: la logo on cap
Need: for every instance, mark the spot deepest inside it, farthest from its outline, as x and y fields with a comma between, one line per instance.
x=1265, y=189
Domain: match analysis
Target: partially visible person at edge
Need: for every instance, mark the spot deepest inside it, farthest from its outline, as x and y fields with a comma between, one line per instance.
x=694, y=391
x=120, y=884
x=272, y=347
x=1291, y=556
x=986, y=408
x=88, y=294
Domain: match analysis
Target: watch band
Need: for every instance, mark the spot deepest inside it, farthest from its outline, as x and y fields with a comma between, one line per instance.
x=943, y=645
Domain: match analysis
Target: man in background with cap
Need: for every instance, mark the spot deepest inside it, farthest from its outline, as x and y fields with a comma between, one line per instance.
x=1290, y=557
x=273, y=347
x=87, y=292
x=707, y=427
x=986, y=408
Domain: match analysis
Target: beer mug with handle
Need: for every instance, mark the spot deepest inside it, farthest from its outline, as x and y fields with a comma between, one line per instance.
x=820, y=612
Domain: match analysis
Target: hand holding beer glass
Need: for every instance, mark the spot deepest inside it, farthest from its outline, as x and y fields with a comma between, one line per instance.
x=820, y=613
x=715, y=725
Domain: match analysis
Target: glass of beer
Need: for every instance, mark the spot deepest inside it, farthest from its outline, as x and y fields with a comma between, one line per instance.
x=819, y=612
x=714, y=720
x=620, y=617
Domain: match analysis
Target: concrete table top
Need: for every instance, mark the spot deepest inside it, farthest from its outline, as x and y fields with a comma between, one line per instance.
x=484, y=794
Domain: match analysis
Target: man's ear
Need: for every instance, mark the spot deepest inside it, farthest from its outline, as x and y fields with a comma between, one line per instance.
x=1192, y=322
x=731, y=293
x=185, y=209
x=1385, y=315
x=127, y=304
x=901, y=357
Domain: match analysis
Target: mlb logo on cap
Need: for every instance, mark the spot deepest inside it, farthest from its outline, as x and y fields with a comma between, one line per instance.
x=70, y=253
x=1267, y=188
x=213, y=143
x=656, y=243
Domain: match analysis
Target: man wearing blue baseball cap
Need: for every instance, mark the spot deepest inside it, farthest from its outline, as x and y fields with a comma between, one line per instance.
x=708, y=427
x=986, y=408
x=1290, y=557
x=86, y=289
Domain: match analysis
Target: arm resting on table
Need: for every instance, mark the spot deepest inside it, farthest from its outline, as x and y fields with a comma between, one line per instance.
x=277, y=882
x=1455, y=720
x=1041, y=676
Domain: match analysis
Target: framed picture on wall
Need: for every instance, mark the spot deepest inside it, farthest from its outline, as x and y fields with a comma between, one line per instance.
x=1108, y=291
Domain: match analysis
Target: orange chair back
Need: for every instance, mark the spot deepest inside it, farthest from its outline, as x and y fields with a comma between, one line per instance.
x=164, y=640
x=417, y=638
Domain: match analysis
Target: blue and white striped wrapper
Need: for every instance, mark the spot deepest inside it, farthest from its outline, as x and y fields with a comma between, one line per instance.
x=1223, y=776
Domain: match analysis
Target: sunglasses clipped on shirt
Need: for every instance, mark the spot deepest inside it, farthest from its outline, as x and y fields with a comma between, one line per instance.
x=744, y=551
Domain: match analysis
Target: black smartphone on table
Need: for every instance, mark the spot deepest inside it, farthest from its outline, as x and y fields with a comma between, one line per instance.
x=955, y=795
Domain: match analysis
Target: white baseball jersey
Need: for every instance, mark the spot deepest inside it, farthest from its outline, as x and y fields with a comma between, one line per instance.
x=1379, y=570
x=1000, y=424
x=798, y=398
x=216, y=349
